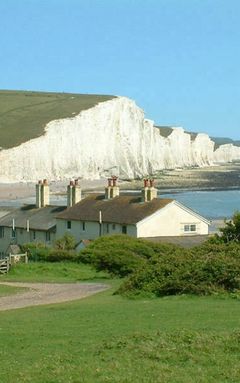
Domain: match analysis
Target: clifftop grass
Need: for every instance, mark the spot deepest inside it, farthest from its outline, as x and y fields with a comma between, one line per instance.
x=24, y=114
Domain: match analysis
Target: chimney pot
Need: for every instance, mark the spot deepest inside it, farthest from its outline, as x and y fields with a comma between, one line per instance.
x=71, y=183
x=114, y=180
x=109, y=181
x=45, y=181
x=151, y=182
x=40, y=182
x=145, y=182
x=76, y=182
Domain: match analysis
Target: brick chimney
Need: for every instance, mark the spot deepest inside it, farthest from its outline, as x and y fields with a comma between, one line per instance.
x=152, y=191
x=145, y=190
x=42, y=193
x=39, y=194
x=149, y=192
x=74, y=193
x=115, y=187
x=112, y=190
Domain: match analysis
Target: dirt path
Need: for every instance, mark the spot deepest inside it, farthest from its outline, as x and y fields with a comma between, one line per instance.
x=47, y=293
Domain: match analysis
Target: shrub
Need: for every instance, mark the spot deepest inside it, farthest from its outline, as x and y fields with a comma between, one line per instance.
x=37, y=251
x=120, y=254
x=230, y=232
x=185, y=273
x=67, y=242
x=61, y=255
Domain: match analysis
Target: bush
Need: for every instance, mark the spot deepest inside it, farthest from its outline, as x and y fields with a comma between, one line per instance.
x=120, y=254
x=38, y=251
x=185, y=273
x=230, y=232
x=67, y=242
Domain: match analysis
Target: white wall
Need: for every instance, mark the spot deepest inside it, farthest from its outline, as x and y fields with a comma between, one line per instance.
x=22, y=236
x=92, y=229
x=170, y=221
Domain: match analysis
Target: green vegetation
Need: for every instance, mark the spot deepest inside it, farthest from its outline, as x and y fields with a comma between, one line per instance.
x=52, y=272
x=63, y=250
x=162, y=269
x=23, y=114
x=9, y=290
x=108, y=338
x=117, y=254
x=230, y=232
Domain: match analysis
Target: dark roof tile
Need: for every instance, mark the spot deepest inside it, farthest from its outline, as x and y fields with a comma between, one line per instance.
x=122, y=209
x=39, y=219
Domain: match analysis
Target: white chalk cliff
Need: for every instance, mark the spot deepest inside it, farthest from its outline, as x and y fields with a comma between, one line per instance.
x=113, y=137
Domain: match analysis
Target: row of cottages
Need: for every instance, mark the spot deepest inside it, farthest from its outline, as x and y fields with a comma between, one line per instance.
x=30, y=223
x=99, y=214
x=138, y=216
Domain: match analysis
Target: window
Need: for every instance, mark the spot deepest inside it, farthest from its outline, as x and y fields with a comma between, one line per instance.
x=13, y=234
x=190, y=228
x=1, y=232
x=34, y=234
x=124, y=229
x=113, y=226
x=69, y=225
x=48, y=236
x=107, y=228
x=83, y=226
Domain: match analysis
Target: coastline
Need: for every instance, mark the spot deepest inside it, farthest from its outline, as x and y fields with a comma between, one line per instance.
x=213, y=178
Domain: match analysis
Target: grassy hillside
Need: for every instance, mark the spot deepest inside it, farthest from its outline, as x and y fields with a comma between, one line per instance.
x=24, y=114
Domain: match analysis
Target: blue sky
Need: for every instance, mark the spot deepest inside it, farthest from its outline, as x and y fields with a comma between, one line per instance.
x=178, y=59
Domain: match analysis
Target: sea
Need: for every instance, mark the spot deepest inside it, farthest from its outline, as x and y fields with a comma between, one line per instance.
x=213, y=204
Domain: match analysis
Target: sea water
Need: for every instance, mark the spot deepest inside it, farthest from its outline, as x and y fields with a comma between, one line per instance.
x=210, y=204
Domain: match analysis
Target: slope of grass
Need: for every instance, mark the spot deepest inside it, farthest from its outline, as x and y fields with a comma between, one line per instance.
x=24, y=114
x=59, y=272
x=107, y=338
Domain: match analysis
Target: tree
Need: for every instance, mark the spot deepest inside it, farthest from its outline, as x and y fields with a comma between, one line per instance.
x=231, y=231
x=67, y=242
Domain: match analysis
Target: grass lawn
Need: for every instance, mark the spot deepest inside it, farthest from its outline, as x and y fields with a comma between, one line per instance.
x=59, y=272
x=24, y=114
x=107, y=338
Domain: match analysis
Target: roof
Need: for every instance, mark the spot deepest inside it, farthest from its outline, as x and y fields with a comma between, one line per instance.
x=39, y=218
x=121, y=209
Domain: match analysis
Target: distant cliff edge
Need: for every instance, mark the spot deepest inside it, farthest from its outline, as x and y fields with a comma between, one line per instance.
x=111, y=137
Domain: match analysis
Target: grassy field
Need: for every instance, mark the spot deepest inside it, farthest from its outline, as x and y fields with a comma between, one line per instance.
x=108, y=338
x=23, y=115
x=60, y=272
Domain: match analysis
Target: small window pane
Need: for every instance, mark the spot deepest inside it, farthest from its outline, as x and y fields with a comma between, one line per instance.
x=1, y=232
x=124, y=229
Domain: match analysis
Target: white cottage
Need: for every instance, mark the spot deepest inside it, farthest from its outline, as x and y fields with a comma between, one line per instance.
x=144, y=216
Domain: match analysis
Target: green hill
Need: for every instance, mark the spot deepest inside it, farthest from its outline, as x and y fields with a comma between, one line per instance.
x=24, y=114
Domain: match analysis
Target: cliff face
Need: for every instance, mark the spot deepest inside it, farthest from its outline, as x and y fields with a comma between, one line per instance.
x=112, y=137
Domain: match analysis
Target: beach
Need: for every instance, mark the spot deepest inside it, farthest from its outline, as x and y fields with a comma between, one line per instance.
x=222, y=177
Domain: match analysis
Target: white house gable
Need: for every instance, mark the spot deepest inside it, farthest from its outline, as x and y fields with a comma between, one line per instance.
x=172, y=220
